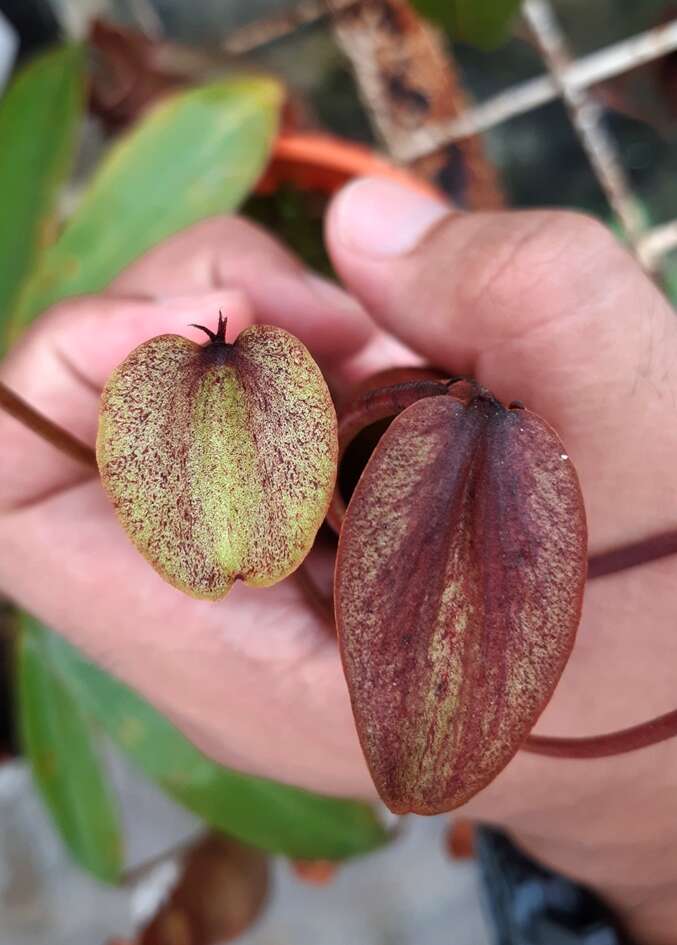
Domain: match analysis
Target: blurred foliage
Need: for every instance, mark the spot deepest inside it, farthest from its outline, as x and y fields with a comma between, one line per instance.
x=196, y=154
x=219, y=894
x=671, y=278
x=61, y=745
x=40, y=119
x=592, y=25
x=482, y=23
x=268, y=815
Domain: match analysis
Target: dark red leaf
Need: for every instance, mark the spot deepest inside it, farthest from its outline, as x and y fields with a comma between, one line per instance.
x=459, y=581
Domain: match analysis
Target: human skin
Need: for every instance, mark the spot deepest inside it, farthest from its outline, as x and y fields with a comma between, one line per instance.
x=544, y=307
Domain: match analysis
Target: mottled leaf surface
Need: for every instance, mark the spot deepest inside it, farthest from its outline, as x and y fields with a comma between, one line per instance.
x=220, y=459
x=459, y=581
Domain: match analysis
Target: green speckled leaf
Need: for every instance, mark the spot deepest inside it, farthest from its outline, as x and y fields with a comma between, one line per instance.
x=220, y=459
x=197, y=154
x=272, y=816
x=59, y=741
x=39, y=119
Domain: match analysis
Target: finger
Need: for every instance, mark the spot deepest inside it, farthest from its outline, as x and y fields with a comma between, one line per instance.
x=70, y=538
x=232, y=253
x=543, y=307
x=203, y=664
x=61, y=364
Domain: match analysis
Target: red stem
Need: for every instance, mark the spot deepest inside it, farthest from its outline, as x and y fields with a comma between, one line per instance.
x=322, y=604
x=45, y=428
x=637, y=736
x=602, y=746
x=630, y=556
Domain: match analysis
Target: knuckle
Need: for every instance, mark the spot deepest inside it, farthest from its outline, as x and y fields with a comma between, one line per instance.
x=525, y=263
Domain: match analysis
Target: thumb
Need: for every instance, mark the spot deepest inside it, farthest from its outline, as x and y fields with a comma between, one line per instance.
x=541, y=306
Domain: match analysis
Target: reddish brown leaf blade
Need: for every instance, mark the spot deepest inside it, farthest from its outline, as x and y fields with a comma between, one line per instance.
x=459, y=582
x=220, y=894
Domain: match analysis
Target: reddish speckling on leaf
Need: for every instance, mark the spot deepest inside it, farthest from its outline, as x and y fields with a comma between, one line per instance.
x=459, y=581
x=219, y=459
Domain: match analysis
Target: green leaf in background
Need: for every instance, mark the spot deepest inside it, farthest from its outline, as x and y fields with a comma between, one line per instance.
x=39, y=122
x=197, y=154
x=272, y=816
x=60, y=744
x=483, y=23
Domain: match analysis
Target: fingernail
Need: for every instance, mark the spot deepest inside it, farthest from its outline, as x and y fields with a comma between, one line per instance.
x=379, y=218
x=330, y=294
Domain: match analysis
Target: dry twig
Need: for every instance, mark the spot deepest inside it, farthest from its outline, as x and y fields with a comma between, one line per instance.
x=408, y=83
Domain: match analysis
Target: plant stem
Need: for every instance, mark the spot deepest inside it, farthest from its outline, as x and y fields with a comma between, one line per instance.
x=639, y=736
x=630, y=556
x=385, y=402
x=602, y=746
x=45, y=428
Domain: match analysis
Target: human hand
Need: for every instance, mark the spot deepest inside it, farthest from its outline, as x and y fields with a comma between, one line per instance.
x=253, y=680
x=541, y=307
x=545, y=307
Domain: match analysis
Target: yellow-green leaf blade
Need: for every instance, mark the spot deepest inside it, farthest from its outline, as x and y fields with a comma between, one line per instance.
x=272, y=816
x=39, y=120
x=60, y=743
x=195, y=155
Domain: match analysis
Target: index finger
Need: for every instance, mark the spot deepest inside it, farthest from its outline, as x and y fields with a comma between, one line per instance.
x=232, y=253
